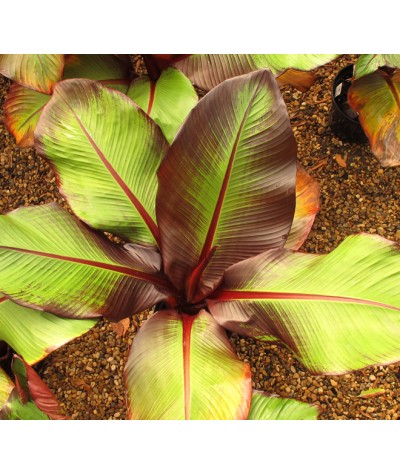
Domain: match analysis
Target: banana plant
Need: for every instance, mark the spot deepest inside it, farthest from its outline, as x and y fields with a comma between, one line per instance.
x=375, y=96
x=204, y=223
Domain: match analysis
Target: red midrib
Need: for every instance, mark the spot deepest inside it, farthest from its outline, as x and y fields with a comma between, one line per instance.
x=3, y=299
x=254, y=295
x=151, y=97
x=102, y=265
x=136, y=203
x=187, y=323
x=208, y=244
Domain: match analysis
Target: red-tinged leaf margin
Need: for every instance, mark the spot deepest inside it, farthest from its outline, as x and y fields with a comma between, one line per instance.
x=23, y=130
x=31, y=387
x=307, y=206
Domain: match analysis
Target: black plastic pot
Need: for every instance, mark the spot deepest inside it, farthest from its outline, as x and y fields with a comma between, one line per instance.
x=344, y=121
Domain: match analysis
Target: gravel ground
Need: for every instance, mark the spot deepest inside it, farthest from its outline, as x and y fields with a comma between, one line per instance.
x=87, y=374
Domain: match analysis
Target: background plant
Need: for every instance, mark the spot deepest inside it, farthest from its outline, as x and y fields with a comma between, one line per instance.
x=375, y=95
x=165, y=93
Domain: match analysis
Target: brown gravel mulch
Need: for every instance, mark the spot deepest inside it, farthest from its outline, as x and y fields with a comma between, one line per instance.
x=86, y=374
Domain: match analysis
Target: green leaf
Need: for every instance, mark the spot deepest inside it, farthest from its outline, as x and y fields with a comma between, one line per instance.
x=227, y=184
x=15, y=410
x=22, y=110
x=184, y=367
x=50, y=261
x=376, y=98
x=369, y=63
x=6, y=386
x=105, y=151
x=307, y=206
x=208, y=70
x=338, y=312
x=34, y=334
x=273, y=408
x=167, y=101
x=36, y=71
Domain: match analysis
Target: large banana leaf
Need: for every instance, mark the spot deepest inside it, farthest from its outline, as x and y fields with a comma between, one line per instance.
x=376, y=97
x=50, y=261
x=36, y=71
x=106, y=151
x=265, y=407
x=184, y=367
x=227, y=184
x=31, y=399
x=34, y=334
x=167, y=101
x=208, y=70
x=369, y=63
x=307, y=206
x=337, y=312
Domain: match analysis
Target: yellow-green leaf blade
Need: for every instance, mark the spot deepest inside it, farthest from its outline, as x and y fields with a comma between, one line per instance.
x=105, y=151
x=376, y=97
x=36, y=71
x=50, y=261
x=167, y=101
x=183, y=367
x=274, y=408
x=338, y=312
x=34, y=334
x=6, y=386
